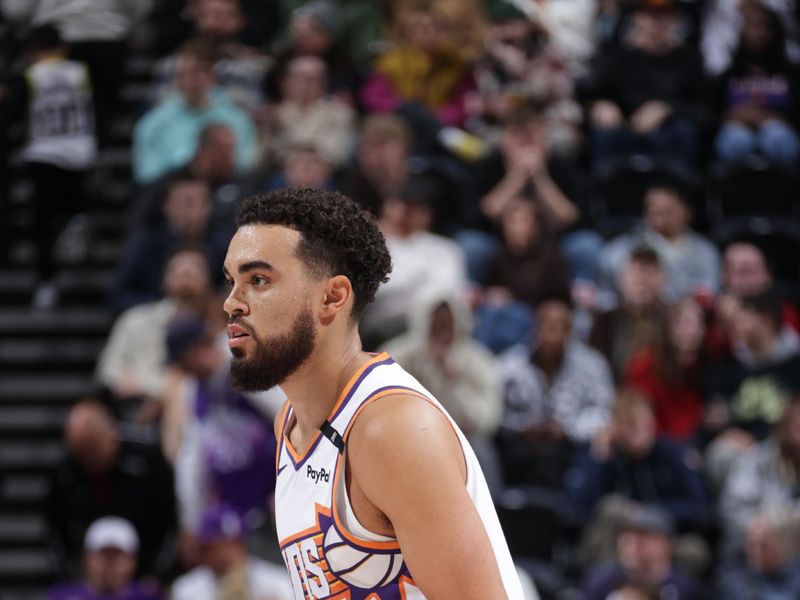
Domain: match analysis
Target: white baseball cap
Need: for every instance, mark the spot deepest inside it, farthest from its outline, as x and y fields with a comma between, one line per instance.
x=111, y=532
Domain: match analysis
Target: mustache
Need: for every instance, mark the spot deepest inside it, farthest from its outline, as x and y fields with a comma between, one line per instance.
x=236, y=320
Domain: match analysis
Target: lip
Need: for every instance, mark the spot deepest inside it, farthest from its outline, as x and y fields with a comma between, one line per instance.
x=237, y=336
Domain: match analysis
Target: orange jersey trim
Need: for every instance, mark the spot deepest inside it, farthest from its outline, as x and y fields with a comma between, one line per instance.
x=301, y=456
x=282, y=414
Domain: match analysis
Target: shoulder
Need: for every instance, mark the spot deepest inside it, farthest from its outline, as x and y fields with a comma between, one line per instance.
x=585, y=356
x=514, y=357
x=157, y=116
x=400, y=434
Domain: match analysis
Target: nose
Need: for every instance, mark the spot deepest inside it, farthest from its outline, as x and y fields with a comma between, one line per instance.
x=233, y=305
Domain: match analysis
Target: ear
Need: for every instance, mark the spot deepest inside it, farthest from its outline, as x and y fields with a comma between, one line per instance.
x=338, y=297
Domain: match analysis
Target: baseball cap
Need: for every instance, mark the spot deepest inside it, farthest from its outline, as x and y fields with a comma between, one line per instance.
x=220, y=522
x=322, y=11
x=648, y=518
x=111, y=532
x=183, y=333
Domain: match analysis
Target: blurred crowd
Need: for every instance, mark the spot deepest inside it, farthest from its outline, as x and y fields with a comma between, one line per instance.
x=591, y=207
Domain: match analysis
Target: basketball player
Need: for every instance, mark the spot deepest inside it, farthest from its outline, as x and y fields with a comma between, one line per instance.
x=378, y=494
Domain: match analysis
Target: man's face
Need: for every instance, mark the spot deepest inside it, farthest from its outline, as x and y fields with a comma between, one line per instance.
x=305, y=80
x=219, y=20
x=636, y=429
x=219, y=153
x=377, y=155
x=752, y=328
x=645, y=555
x=195, y=79
x=186, y=276
x=187, y=208
x=745, y=270
x=272, y=331
x=641, y=283
x=306, y=168
x=554, y=324
x=309, y=36
x=108, y=570
x=665, y=213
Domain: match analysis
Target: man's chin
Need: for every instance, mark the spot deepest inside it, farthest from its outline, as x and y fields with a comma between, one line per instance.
x=237, y=353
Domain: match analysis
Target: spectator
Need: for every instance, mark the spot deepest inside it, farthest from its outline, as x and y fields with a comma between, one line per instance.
x=529, y=265
x=647, y=96
x=240, y=70
x=109, y=562
x=381, y=167
x=305, y=116
x=305, y=166
x=523, y=164
x=107, y=473
x=225, y=440
x=691, y=263
x=558, y=393
x=425, y=70
x=670, y=371
x=628, y=459
x=768, y=567
x=745, y=272
x=226, y=569
x=523, y=160
x=620, y=332
x=187, y=214
x=459, y=372
x=519, y=66
x=759, y=96
x=644, y=558
x=568, y=27
x=757, y=382
x=97, y=32
x=132, y=364
x=722, y=25
x=213, y=163
x=61, y=145
x=762, y=481
x=166, y=137
x=421, y=260
x=316, y=29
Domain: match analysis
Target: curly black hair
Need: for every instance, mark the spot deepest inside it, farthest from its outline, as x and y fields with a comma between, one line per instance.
x=337, y=236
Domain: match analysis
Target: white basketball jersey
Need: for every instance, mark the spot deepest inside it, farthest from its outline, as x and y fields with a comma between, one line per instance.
x=61, y=117
x=327, y=552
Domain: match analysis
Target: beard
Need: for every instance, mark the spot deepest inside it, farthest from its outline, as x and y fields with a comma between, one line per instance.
x=274, y=359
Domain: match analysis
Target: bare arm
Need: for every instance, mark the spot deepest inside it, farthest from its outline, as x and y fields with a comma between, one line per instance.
x=406, y=462
x=557, y=206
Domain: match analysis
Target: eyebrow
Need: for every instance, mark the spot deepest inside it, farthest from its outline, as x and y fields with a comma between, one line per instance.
x=250, y=266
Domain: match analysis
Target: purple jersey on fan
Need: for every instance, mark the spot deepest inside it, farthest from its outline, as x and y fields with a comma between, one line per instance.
x=237, y=443
x=81, y=591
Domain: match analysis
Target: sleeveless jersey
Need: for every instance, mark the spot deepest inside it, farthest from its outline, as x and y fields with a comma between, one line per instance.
x=60, y=115
x=327, y=552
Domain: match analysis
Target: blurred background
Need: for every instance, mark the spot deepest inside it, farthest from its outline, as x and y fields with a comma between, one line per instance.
x=592, y=208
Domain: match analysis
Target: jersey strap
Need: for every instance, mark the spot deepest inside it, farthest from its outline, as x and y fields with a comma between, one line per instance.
x=334, y=436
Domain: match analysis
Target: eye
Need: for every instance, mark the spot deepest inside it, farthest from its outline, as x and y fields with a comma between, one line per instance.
x=259, y=280
x=228, y=282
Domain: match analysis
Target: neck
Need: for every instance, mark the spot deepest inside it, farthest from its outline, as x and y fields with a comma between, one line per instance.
x=315, y=387
x=761, y=348
x=198, y=102
x=235, y=558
